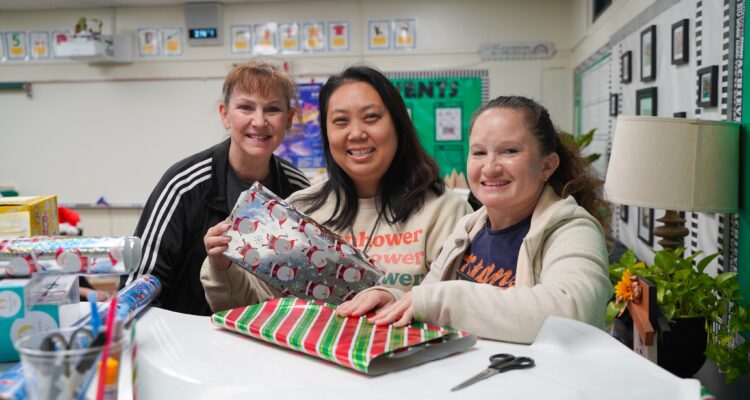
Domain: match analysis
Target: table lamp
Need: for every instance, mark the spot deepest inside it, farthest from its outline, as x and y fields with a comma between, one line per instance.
x=675, y=164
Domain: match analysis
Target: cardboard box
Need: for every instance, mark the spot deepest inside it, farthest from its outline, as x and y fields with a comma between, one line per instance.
x=35, y=305
x=28, y=216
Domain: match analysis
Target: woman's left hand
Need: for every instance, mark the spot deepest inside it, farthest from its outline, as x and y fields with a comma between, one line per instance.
x=399, y=313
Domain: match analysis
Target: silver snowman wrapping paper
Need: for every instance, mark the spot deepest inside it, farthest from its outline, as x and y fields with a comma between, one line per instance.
x=294, y=254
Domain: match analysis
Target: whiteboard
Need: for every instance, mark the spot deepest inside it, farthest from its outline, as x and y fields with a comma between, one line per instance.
x=113, y=139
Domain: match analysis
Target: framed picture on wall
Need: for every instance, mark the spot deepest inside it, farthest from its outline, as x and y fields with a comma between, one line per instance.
x=680, y=42
x=648, y=54
x=613, y=105
x=624, y=209
x=646, y=101
x=626, y=67
x=707, y=91
x=646, y=225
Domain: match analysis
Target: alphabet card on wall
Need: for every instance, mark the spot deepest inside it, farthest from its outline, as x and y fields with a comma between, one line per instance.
x=313, y=34
x=172, y=41
x=17, y=45
x=289, y=34
x=379, y=35
x=39, y=45
x=338, y=35
x=240, y=38
x=265, y=38
x=405, y=34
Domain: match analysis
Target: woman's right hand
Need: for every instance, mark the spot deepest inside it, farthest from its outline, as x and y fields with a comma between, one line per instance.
x=216, y=245
x=363, y=303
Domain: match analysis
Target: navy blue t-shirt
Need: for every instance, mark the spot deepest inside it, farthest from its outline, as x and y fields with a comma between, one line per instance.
x=492, y=256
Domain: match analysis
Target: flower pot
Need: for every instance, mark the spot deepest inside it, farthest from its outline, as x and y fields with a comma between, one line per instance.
x=680, y=351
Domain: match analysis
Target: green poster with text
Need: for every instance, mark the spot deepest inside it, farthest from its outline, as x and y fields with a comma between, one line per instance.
x=441, y=109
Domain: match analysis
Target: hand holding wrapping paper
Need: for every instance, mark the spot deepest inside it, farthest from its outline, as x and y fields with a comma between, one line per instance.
x=313, y=328
x=292, y=253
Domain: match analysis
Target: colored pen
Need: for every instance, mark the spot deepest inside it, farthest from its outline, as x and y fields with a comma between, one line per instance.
x=95, y=322
x=105, y=352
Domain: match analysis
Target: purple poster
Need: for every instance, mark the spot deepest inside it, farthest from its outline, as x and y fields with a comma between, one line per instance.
x=302, y=145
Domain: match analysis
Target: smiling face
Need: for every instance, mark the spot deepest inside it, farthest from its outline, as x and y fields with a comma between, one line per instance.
x=506, y=168
x=361, y=135
x=256, y=123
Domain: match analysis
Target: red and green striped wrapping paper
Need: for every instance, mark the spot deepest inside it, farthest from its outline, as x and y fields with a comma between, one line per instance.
x=313, y=328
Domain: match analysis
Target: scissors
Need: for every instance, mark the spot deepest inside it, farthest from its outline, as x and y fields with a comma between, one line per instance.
x=498, y=363
x=81, y=338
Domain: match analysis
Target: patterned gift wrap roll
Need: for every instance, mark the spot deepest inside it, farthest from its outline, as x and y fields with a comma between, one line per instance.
x=131, y=299
x=313, y=328
x=293, y=253
x=69, y=255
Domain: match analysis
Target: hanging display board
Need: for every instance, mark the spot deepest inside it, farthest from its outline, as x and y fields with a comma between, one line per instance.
x=441, y=104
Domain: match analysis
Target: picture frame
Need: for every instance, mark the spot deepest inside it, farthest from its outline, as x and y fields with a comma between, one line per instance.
x=613, y=104
x=646, y=225
x=624, y=211
x=708, y=79
x=626, y=67
x=646, y=102
x=680, y=42
x=648, y=54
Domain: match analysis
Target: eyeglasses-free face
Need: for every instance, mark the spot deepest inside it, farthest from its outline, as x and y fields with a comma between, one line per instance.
x=506, y=168
x=361, y=135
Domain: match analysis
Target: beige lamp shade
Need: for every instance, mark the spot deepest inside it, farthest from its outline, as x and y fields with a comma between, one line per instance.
x=674, y=164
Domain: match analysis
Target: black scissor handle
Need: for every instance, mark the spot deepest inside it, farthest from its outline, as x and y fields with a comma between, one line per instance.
x=517, y=363
x=502, y=357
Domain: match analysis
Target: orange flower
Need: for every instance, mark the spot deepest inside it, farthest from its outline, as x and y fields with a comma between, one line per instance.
x=624, y=289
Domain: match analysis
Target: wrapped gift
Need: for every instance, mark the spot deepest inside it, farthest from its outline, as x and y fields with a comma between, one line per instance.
x=292, y=253
x=313, y=328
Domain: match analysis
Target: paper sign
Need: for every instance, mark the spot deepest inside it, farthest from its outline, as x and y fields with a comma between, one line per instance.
x=172, y=41
x=148, y=42
x=447, y=123
x=313, y=34
x=289, y=34
x=405, y=34
x=264, y=40
x=379, y=35
x=59, y=37
x=240, y=38
x=39, y=45
x=16, y=45
x=338, y=35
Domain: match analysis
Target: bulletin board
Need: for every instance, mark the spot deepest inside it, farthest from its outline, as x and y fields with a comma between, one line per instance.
x=440, y=104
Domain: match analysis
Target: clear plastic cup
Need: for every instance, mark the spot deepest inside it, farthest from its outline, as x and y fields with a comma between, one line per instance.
x=64, y=373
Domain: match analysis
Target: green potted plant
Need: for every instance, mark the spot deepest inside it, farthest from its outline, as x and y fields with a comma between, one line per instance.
x=684, y=291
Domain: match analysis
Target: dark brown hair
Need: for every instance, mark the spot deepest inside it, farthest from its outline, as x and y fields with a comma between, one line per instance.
x=574, y=176
x=409, y=178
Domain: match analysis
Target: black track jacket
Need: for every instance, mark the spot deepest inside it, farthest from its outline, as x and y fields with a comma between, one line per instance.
x=189, y=199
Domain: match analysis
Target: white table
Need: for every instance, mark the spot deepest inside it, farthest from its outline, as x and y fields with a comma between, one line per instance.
x=186, y=357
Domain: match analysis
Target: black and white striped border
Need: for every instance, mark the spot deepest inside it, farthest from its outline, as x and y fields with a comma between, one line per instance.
x=738, y=34
x=162, y=212
x=724, y=74
x=698, y=51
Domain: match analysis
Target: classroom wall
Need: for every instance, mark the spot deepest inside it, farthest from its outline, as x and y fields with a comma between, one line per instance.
x=158, y=110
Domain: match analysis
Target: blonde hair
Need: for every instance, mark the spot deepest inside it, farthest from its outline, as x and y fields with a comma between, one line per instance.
x=259, y=77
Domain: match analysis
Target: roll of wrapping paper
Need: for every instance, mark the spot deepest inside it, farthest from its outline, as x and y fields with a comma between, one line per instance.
x=69, y=255
x=131, y=300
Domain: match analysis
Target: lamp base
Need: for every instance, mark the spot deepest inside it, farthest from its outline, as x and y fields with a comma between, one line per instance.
x=672, y=232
